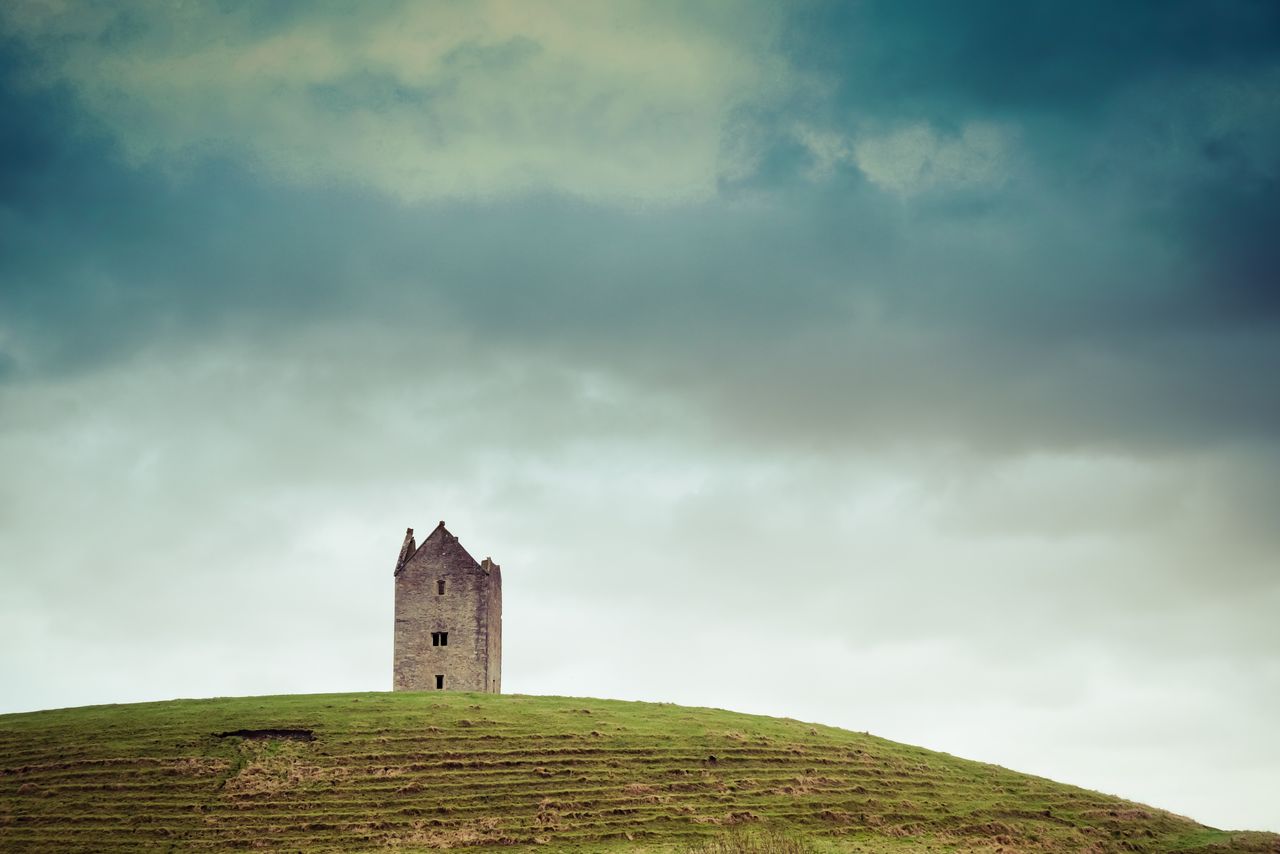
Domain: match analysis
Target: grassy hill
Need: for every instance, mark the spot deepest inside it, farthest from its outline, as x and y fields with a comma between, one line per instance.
x=354, y=772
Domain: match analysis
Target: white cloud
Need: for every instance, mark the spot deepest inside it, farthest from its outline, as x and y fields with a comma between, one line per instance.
x=917, y=158
x=424, y=101
x=827, y=149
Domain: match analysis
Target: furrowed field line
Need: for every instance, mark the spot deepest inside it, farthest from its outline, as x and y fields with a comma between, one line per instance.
x=417, y=771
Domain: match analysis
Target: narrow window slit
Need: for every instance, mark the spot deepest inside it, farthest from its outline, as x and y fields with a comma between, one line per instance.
x=440, y=682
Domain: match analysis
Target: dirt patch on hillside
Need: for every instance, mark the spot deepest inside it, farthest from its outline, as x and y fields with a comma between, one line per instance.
x=273, y=767
x=290, y=734
x=423, y=834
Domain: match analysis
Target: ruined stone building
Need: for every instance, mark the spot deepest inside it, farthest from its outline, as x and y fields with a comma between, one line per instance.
x=448, y=617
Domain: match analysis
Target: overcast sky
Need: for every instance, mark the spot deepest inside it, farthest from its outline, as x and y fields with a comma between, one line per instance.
x=909, y=367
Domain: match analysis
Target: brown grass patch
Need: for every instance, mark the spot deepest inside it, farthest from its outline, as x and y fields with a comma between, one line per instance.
x=279, y=774
x=752, y=842
x=422, y=835
x=199, y=766
x=730, y=818
x=806, y=784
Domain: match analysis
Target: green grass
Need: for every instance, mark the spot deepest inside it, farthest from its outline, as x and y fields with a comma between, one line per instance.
x=436, y=770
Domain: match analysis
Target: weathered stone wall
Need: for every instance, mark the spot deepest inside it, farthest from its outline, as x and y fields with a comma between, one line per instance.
x=495, y=625
x=469, y=609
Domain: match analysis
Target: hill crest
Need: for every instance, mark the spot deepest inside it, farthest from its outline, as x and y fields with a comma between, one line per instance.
x=354, y=772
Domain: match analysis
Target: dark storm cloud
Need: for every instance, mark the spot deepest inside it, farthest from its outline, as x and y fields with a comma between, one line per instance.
x=1065, y=59
x=1084, y=292
x=1095, y=87
x=97, y=257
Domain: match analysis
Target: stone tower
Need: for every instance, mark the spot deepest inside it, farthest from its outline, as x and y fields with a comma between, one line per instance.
x=448, y=617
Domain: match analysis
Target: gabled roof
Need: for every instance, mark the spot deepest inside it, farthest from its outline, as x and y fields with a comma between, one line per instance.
x=439, y=544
